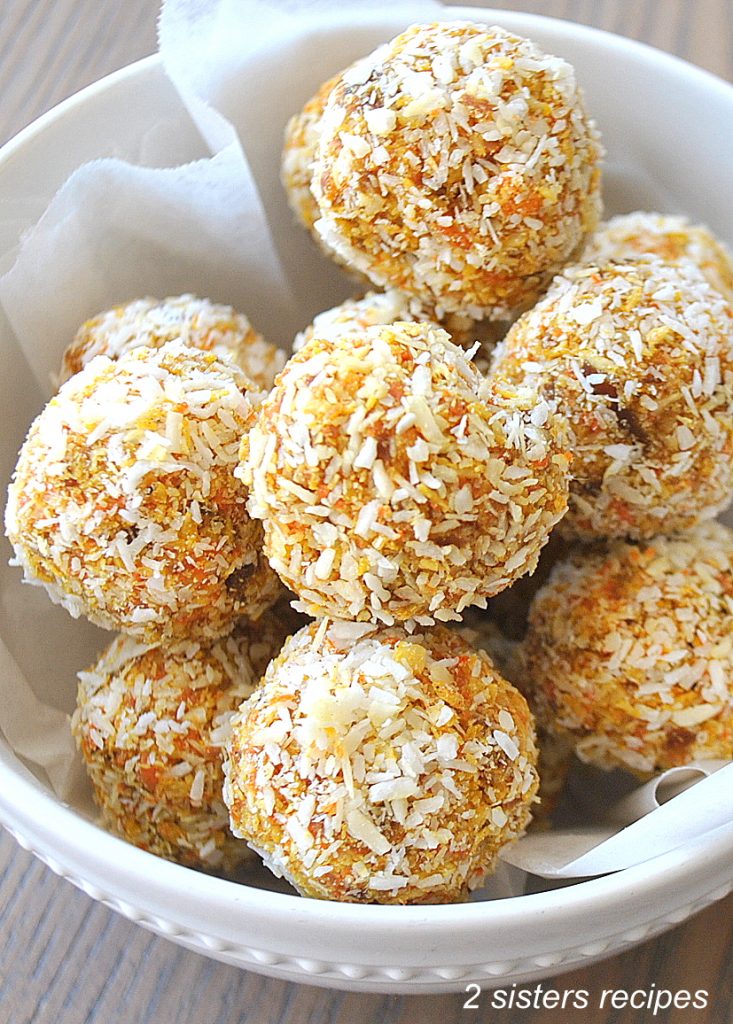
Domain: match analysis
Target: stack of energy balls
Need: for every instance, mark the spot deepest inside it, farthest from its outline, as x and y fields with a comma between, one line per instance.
x=466, y=156
x=514, y=374
x=125, y=507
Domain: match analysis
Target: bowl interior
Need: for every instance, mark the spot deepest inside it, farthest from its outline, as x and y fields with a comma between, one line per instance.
x=640, y=99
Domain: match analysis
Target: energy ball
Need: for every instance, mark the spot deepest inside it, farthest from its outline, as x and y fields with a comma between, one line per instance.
x=632, y=646
x=375, y=766
x=509, y=610
x=479, y=630
x=639, y=356
x=371, y=310
x=124, y=503
x=555, y=752
x=301, y=142
x=457, y=164
x=150, y=724
x=635, y=235
x=389, y=489
x=387, y=308
x=150, y=323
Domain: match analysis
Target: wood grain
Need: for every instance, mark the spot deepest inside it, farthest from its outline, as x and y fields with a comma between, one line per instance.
x=50, y=50
x=67, y=960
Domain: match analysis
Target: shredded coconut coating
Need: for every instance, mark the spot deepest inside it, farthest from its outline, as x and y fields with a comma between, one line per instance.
x=124, y=503
x=632, y=647
x=375, y=766
x=301, y=141
x=371, y=310
x=150, y=323
x=389, y=490
x=387, y=308
x=555, y=752
x=151, y=723
x=482, y=632
x=509, y=610
x=296, y=171
x=668, y=238
x=458, y=164
x=639, y=356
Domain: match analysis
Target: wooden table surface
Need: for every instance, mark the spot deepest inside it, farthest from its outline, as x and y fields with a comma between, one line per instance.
x=67, y=960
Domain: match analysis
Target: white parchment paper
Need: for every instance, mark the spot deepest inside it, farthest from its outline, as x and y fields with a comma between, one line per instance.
x=220, y=227
x=697, y=801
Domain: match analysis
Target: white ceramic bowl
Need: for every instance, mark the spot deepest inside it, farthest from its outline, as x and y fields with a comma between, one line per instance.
x=666, y=126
